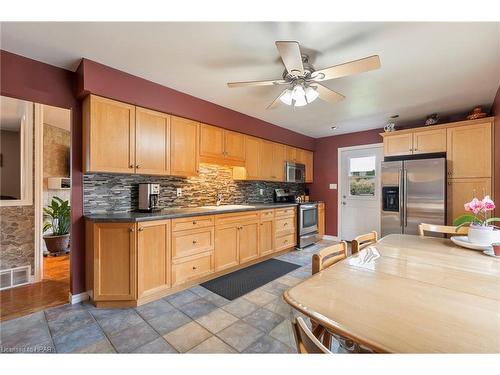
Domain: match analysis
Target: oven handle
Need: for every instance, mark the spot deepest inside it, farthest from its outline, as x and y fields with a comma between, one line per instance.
x=308, y=206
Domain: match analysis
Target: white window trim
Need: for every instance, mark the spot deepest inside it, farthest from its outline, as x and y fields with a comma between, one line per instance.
x=26, y=162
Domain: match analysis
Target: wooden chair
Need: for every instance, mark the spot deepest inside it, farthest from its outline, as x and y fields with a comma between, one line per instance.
x=363, y=241
x=329, y=256
x=306, y=342
x=444, y=229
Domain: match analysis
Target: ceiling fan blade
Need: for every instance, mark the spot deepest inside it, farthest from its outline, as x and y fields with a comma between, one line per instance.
x=328, y=95
x=291, y=56
x=347, y=69
x=257, y=83
x=276, y=101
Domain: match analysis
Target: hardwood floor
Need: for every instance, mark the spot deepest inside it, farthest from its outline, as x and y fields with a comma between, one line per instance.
x=53, y=290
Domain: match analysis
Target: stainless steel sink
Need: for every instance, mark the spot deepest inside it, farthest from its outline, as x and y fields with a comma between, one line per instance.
x=227, y=207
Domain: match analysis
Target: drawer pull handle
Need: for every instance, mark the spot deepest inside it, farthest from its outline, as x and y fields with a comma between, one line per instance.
x=194, y=267
x=194, y=242
x=194, y=222
x=285, y=224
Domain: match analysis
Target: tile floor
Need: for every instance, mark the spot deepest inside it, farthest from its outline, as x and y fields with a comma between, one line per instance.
x=191, y=321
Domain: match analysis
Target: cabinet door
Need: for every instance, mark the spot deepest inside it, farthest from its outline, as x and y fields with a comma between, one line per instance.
x=183, y=147
x=226, y=247
x=278, y=163
x=309, y=165
x=109, y=135
x=248, y=241
x=463, y=190
x=152, y=154
x=321, y=219
x=211, y=143
x=266, y=237
x=252, y=158
x=153, y=257
x=429, y=141
x=399, y=144
x=469, y=151
x=114, y=262
x=266, y=160
x=234, y=147
x=291, y=154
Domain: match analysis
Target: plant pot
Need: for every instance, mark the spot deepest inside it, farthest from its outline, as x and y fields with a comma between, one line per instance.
x=483, y=235
x=57, y=244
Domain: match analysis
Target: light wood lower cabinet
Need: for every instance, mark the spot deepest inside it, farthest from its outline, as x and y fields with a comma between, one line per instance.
x=226, y=246
x=285, y=228
x=321, y=219
x=153, y=257
x=193, y=241
x=248, y=242
x=111, y=257
x=462, y=190
x=191, y=268
x=266, y=237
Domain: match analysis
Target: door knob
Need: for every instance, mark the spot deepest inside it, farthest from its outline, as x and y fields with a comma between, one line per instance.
x=343, y=203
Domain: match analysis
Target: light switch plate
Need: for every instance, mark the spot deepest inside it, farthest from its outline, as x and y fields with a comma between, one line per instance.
x=179, y=192
x=333, y=186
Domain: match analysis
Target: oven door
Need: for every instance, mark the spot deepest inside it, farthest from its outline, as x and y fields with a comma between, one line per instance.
x=295, y=172
x=308, y=218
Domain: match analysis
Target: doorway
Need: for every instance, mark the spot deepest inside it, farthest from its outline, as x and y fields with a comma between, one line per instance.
x=359, y=190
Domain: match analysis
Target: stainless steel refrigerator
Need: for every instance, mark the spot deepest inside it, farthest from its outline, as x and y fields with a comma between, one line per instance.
x=413, y=192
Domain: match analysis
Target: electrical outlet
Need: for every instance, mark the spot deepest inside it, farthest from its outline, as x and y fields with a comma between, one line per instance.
x=179, y=192
x=261, y=191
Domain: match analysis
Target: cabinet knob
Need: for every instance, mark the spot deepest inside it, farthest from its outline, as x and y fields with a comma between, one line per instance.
x=194, y=242
x=138, y=166
x=194, y=222
x=131, y=166
x=141, y=229
x=131, y=230
x=285, y=224
x=449, y=183
x=194, y=267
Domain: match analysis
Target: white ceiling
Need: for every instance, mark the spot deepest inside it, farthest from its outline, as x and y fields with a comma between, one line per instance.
x=426, y=67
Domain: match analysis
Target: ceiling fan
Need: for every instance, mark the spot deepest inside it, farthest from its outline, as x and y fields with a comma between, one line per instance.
x=303, y=80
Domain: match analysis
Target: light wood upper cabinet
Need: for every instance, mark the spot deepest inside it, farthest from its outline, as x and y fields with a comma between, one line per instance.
x=308, y=161
x=252, y=158
x=152, y=150
x=221, y=146
x=292, y=154
x=153, y=257
x=429, y=141
x=226, y=246
x=469, y=151
x=248, y=241
x=109, y=135
x=266, y=164
x=211, y=143
x=114, y=261
x=278, y=162
x=462, y=190
x=184, y=147
x=398, y=144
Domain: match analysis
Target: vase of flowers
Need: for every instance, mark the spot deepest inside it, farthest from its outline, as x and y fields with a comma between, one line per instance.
x=481, y=231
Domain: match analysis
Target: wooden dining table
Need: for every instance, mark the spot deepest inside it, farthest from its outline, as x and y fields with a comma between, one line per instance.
x=408, y=294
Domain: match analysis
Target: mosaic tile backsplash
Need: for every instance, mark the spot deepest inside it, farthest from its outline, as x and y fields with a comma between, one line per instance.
x=104, y=192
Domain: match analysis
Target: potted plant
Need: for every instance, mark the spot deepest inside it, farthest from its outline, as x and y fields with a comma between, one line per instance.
x=58, y=214
x=481, y=232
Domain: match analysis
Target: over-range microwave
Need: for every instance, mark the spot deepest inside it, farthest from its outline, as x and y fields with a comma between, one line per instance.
x=295, y=172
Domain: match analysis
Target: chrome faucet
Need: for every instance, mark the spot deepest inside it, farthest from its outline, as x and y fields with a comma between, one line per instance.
x=219, y=199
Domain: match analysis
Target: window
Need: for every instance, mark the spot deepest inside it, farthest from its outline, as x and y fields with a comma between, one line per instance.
x=362, y=176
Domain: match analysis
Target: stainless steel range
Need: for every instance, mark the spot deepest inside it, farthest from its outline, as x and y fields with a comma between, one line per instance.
x=307, y=218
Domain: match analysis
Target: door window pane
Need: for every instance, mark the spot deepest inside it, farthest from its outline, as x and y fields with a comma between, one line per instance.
x=362, y=176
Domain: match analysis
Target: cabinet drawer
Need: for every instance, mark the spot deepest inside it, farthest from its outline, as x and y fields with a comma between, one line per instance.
x=285, y=242
x=285, y=226
x=266, y=214
x=236, y=218
x=191, y=268
x=192, y=223
x=285, y=212
x=192, y=242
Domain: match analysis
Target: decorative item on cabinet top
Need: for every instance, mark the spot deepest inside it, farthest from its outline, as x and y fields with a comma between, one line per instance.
x=122, y=138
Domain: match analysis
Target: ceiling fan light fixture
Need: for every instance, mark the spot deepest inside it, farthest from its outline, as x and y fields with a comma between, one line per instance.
x=311, y=94
x=286, y=97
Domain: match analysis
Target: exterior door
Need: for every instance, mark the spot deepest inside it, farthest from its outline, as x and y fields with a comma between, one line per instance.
x=359, y=191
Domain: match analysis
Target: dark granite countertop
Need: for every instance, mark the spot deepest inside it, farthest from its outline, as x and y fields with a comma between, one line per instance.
x=173, y=213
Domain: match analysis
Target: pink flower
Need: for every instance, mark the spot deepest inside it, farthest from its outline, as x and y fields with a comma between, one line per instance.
x=488, y=204
x=475, y=205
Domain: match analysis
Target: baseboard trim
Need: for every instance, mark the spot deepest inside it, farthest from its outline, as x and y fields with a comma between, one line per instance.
x=331, y=238
x=77, y=298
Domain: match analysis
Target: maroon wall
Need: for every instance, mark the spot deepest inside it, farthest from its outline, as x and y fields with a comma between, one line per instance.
x=102, y=80
x=325, y=170
x=34, y=81
x=495, y=111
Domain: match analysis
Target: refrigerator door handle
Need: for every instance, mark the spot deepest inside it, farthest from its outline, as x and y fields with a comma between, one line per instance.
x=405, y=203
x=401, y=217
